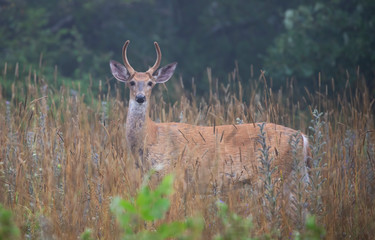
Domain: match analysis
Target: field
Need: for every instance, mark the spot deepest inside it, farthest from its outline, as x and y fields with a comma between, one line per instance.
x=63, y=156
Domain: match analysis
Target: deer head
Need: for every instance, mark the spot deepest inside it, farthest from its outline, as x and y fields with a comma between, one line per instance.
x=141, y=83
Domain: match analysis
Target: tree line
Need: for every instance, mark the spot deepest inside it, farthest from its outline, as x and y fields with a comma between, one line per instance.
x=286, y=39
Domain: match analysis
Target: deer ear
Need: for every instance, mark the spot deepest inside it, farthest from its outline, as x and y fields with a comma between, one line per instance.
x=119, y=71
x=165, y=73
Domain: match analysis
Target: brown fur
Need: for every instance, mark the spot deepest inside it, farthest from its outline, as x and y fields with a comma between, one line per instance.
x=224, y=154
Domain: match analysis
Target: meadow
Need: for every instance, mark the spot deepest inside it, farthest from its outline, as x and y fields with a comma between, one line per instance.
x=63, y=155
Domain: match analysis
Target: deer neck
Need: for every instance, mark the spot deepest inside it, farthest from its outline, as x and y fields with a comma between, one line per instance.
x=138, y=124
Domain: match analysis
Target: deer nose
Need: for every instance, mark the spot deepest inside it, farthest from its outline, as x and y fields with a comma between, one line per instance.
x=140, y=98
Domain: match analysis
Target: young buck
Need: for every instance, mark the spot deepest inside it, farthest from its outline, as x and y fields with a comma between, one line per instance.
x=211, y=155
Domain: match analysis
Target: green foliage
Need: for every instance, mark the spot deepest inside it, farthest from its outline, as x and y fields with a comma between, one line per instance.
x=328, y=36
x=312, y=230
x=8, y=230
x=149, y=206
x=86, y=235
x=234, y=226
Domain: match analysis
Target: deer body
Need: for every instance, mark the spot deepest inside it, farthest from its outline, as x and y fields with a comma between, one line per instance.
x=231, y=153
x=227, y=153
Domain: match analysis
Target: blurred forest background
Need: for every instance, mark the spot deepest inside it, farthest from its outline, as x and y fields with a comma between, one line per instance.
x=296, y=39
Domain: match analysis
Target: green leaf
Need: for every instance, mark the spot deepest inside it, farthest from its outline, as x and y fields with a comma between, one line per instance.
x=166, y=186
x=171, y=230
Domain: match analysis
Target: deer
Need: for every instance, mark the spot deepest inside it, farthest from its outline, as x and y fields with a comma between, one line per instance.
x=215, y=154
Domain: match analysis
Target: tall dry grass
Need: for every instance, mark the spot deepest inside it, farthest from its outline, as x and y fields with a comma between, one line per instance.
x=63, y=155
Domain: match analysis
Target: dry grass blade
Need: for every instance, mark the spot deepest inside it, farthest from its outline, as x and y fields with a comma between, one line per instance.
x=60, y=166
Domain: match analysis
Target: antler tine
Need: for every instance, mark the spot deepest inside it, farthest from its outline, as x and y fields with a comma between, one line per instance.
x=158, y=60
x=125, y=58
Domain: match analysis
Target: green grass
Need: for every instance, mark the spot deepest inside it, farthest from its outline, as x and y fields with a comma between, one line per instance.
x=8, y=229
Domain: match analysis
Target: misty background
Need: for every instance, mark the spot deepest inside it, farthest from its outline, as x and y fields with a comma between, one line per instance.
x=289, y=40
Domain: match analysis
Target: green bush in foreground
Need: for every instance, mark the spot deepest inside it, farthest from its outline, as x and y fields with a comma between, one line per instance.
x=312, y=230
x=87, y=234
x=234, y=226
x=150, y=206
x=8, y=230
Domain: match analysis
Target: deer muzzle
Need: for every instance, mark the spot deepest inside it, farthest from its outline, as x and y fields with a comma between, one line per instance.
x=140, y=98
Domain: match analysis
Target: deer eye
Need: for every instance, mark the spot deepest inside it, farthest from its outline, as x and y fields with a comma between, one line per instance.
x=132, y=83
x=149, y=83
